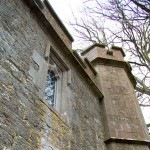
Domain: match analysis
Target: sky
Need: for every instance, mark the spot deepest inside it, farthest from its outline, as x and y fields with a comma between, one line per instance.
x=64, y=9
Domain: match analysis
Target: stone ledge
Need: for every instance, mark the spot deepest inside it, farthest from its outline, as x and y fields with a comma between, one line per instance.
x=128, y=141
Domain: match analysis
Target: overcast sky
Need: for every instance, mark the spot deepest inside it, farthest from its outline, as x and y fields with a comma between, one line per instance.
x=64, y=9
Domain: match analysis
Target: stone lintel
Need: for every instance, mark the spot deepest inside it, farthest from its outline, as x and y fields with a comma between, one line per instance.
x=128, y=141
x=116, y=63
x=91, y=47
x=63, y=64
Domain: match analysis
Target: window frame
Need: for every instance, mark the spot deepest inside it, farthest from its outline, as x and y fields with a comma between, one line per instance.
x=63, y=74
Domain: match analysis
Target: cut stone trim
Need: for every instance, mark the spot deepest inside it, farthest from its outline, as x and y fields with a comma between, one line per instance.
x=58, y=20
x=47, y=51
x=54, y=69
x=90, y=66
x=128, y=141
x=59, y=58
x=75, y=53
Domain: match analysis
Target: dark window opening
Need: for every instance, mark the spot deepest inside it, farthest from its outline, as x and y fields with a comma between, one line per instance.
x=50, y=88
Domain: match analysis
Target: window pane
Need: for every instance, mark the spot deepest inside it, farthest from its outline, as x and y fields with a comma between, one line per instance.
x=50, y=89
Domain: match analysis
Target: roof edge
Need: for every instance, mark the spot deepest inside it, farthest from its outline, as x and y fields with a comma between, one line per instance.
x=52, y=11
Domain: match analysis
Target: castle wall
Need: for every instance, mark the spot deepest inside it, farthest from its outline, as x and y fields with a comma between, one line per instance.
x=27, y=121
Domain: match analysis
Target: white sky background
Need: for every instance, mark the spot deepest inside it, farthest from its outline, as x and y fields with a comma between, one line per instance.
x=64, y=9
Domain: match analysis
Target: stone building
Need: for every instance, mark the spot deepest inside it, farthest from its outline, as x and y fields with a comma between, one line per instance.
x=53, y=99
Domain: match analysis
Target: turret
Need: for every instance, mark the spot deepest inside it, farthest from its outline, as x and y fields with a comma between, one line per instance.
x=123, y=121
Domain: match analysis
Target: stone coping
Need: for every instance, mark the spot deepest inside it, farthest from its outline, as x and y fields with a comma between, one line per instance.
x=90, y=66
x=79, y=59
x=103, y=46
x=50, y=8
x=91, y=47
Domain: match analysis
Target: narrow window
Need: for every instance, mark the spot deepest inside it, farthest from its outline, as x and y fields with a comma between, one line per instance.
x=56, y=80
x=50, y=88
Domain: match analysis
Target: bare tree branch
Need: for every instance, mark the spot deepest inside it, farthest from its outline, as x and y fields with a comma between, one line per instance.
x=141, y=6
x=129, y=24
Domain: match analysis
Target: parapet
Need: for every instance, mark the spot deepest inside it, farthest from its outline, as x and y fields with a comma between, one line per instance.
x=97, y=54
x=98, y=50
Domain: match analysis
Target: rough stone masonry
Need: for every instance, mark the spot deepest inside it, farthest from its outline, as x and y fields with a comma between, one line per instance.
x=95, y=108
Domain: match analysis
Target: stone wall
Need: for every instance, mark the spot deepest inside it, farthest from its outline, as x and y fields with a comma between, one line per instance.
x=26, y=121
x=124, y=124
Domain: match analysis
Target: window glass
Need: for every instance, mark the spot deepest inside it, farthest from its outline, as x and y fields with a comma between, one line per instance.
x=50, y=88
